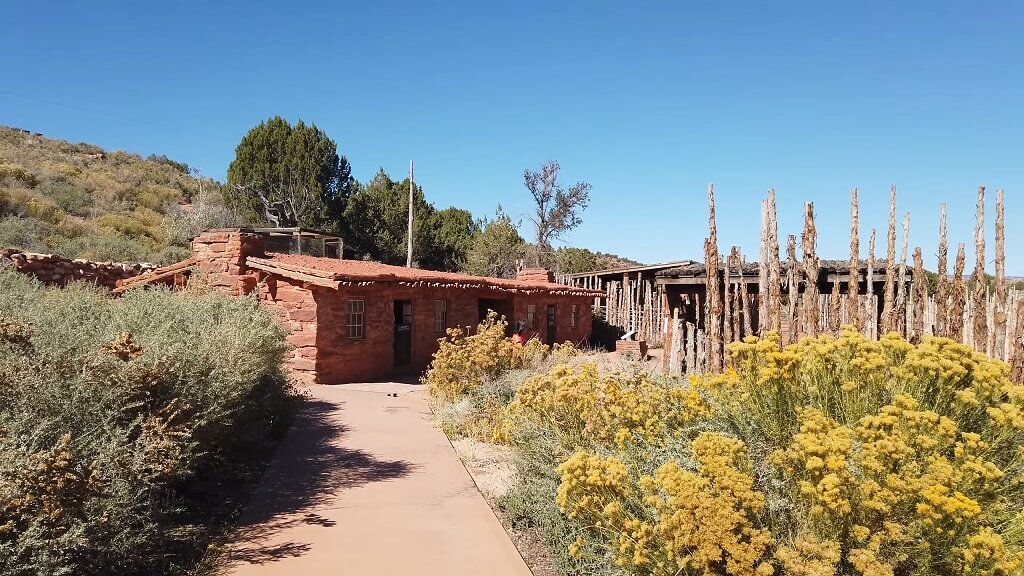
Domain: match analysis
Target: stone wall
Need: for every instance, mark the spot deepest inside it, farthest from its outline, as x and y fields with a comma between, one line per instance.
x=58, y=271
x=536, y=275
x=221, y=255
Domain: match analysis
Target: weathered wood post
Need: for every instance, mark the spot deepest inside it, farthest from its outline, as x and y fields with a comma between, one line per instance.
x=900, y=310
x=957, y=297
x=942, y=287
x=890, y=267
x=713, y=323
x=979, y=296
x=812, y=311
x=774, y=289
x=920, y=297
x=853, y=284
x=794, y=289
x=872, y=317
x=999, y=315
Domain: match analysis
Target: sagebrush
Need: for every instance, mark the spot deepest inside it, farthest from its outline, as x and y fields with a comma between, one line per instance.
x=128, y=425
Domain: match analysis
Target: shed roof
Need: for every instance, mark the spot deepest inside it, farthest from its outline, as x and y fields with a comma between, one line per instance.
x=361, y=271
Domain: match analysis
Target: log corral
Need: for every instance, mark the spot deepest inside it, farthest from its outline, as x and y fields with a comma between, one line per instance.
x=812, y=296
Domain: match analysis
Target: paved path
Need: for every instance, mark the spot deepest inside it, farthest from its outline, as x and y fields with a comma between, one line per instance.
x=364, y=484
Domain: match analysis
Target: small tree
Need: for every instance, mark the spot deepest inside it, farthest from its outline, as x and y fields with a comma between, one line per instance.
x=288, y=175
x=558, y=209
x=496, y=248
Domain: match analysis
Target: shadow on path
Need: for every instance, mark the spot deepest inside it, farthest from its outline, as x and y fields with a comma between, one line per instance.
x=310, y=469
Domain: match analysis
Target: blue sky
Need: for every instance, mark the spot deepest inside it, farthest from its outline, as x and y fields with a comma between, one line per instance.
x=647, y=101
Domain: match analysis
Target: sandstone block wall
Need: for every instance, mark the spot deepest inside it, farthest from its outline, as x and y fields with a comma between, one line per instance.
x=58, y=271
x=222, y=254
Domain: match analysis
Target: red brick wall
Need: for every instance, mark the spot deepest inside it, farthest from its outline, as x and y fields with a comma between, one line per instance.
x=296, y=309
x=222, y=255
x=340, y=359
x=564, y=330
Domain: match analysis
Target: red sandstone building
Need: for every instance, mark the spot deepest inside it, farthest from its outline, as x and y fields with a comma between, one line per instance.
x=353, y=321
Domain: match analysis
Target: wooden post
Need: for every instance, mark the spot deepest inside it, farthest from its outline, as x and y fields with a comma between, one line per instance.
x=900, y=310
x=872, y=318
x=835, y=320
x=713, y=323
x=920, y=297
x=957, y=297
x=999, y=315
x=942, y=288
x=853, y=284
x=774, y=291
x=727, y=327
x=979, y=296
x=1017, y=360
x=794, y=289
x=890, y=267
x=747, y=328
x=408, y=253
x=763, y=302
x=812, y=311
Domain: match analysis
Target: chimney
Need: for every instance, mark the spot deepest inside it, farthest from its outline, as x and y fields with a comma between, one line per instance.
x=536, y=275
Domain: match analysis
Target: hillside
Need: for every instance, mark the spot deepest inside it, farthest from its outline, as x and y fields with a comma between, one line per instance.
x=80, y=201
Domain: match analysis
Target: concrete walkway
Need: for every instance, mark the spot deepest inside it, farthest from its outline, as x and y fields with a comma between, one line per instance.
x=364, y=484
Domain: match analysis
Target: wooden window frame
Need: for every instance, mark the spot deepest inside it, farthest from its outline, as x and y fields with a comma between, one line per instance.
x=356, y=319
x=531, y=316
x=574, y=313
x=440, y=316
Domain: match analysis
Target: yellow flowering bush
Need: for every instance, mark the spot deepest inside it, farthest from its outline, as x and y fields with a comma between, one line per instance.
x=835, y=455
x=613, y=409
x=464, y=359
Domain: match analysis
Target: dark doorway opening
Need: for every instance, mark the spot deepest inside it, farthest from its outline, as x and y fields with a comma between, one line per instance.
x=551, y=324
x=502, y=307
x=403, y=333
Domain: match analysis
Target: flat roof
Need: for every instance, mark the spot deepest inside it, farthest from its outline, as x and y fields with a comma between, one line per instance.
x=332, y=270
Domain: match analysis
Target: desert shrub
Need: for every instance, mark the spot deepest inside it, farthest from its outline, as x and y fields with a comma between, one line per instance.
x=127, y=425
x=588, y=408
x=67, y=196
x=102, y=246
x=44, y=210
x=23, y=233
x=836, y=455
x=465, y=359
x=19, y=174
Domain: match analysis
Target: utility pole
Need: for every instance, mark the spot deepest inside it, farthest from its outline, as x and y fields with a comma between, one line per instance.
x=408, y=254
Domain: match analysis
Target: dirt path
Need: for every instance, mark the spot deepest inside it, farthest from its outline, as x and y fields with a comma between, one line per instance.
x=364, y=484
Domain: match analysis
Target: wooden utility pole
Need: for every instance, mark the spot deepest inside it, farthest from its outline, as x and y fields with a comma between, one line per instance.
x=408, y=253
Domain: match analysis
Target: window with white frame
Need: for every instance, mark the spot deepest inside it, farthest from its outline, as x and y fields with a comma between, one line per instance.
x=356, y=319
x=440, y=316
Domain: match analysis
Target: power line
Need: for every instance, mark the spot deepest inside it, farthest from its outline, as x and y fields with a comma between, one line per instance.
x=77, y=107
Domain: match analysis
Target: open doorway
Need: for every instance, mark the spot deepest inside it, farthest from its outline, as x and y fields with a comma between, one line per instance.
x=502, y=307
x=403, y=333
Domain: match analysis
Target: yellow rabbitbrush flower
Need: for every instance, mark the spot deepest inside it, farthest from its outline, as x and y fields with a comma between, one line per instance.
x=611, y=409
x=836, y=455
x=704, y=521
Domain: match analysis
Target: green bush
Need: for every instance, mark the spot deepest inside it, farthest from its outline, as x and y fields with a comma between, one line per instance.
x=23, y=233
x=128, y=425
x=70, y=198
